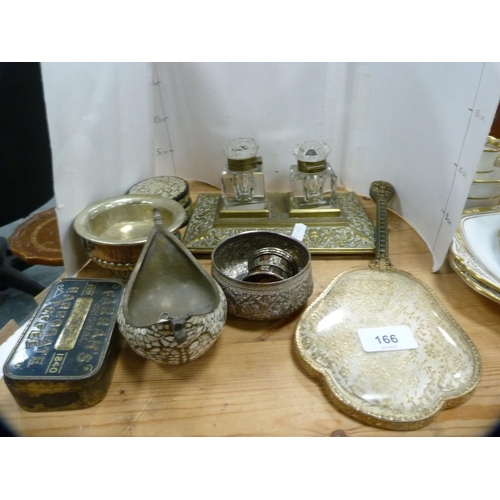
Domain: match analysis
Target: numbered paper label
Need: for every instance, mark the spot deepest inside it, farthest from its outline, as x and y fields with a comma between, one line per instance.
x=387, y=338
x=299, y=230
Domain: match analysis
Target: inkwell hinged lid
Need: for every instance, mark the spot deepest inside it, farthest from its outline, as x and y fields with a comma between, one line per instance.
x=242, y=155
x=311, y=156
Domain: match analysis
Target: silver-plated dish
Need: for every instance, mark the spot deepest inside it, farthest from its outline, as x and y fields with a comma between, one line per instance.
x=172, y=311
x=261, y=301
x=114, y=230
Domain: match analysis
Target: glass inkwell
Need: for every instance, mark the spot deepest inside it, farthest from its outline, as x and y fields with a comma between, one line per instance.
x=243, y=187
x=313, y=180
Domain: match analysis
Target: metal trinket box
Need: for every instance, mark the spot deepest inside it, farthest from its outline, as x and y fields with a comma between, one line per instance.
x=65, y=357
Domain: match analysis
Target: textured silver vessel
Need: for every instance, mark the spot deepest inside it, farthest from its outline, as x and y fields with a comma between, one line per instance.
x=172, y=310
x=261, y=301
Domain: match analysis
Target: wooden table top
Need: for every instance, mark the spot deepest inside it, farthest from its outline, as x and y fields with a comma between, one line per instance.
x=250, y=382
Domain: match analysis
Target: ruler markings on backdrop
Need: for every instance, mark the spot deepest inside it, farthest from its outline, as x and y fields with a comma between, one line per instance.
x=460, y=170
x=163, y=152
x=466, y=163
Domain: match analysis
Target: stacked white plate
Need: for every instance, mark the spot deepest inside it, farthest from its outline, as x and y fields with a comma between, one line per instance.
x=485, y=188
x=475, y=250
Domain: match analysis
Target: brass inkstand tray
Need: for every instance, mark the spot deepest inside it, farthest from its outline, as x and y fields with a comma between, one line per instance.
x=344, y=229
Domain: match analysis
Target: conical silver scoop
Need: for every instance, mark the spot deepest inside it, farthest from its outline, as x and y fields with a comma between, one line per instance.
x=172, y=310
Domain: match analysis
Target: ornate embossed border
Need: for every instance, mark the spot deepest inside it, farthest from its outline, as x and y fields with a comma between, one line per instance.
x=372, y=415
x=322, y=236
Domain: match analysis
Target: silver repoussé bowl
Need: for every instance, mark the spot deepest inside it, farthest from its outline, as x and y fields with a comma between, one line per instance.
x=266, y=300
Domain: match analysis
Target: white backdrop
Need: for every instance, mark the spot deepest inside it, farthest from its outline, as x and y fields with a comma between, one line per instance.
x=420, y=126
